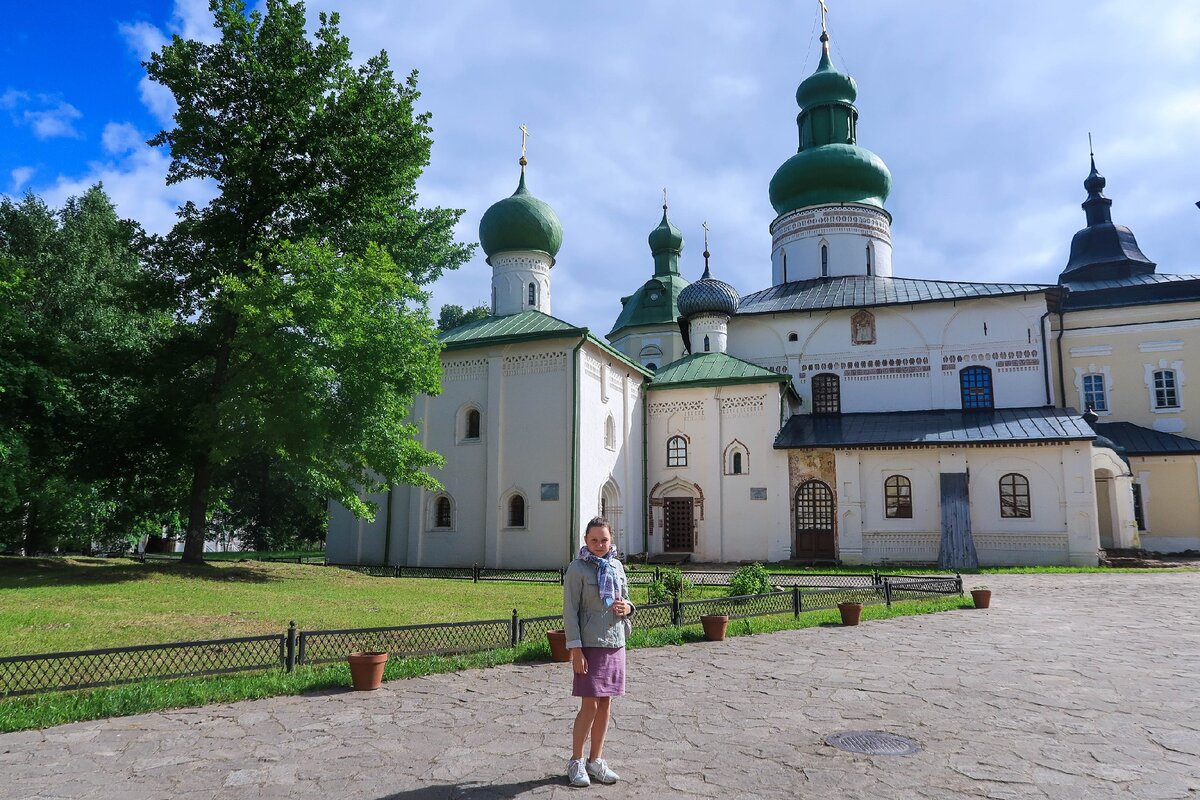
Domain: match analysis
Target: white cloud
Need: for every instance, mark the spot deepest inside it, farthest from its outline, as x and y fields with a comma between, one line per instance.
x=13, y=98
x=120, y=137
x=20, y=176
x=54, y=122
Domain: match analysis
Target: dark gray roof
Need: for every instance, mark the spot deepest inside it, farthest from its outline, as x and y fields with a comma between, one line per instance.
x=1130, y=291
x=1139, y=441
x=934, y=428
x=855, y=291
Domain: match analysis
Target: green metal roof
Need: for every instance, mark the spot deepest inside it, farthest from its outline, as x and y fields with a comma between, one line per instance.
x=527, y=326
x=639, y=309
x=712, y=369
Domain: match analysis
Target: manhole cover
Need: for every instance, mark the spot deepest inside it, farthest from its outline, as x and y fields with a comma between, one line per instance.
x=873, y=743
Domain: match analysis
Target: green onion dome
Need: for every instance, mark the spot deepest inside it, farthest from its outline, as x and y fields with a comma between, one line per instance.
x=708, y=296
x=520, y=222
x=666, y=237
x=829, y=167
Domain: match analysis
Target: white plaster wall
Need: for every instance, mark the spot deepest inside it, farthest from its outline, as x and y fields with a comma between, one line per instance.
x=713, y=326
x=512, y=272
x=1061, y=529
x=609, y=387
x=350, y=540
x=734, y=527
x=918, y=351
x=665, y=337
x=846, y=229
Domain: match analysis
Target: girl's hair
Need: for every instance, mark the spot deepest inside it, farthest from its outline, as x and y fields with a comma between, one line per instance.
x=596, y=522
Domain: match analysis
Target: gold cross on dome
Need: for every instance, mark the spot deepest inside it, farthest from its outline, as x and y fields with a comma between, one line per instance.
x=524, y=135
x=665, y=196
x=705, y=226
x=824, y=11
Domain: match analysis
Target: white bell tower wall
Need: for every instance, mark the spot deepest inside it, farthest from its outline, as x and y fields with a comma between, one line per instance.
x=513, y=274
x=714, y=327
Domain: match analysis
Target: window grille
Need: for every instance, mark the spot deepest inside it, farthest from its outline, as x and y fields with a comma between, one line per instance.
x=677, y=452
x=897, y=497
x=532, y=294
x=976, y=386
x=827, y=394
x=1014, y=496
x=443, y=517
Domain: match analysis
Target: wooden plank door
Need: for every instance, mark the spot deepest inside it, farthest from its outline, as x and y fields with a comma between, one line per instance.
x=957, y=550
x=679, y=528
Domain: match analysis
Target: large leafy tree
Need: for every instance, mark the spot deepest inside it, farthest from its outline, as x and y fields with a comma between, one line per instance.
x=306, y=333
x=80, y=320
x=453, y=316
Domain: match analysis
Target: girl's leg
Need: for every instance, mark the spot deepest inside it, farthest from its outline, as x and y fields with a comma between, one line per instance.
x=599, y=727
x=583, y=721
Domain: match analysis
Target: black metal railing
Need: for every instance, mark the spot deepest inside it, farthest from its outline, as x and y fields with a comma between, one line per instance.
x=105, y=667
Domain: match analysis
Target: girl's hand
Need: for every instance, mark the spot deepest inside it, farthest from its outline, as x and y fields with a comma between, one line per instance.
x=620, y=607
x=578, y=662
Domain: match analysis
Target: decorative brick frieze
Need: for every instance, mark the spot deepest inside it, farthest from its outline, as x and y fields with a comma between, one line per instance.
x=464, y=370
x=532, y=363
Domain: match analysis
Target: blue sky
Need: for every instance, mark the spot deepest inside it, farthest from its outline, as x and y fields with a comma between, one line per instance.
x=980, y=109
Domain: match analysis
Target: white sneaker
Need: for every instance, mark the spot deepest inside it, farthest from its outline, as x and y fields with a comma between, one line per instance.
x=599, y=770
x=577, y=775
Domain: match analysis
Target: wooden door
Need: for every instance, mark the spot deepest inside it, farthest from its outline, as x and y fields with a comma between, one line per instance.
x=679, y=529
x=957, y=550
x=814, y=521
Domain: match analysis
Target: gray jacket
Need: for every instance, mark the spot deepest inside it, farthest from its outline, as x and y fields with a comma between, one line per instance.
x=585, y=619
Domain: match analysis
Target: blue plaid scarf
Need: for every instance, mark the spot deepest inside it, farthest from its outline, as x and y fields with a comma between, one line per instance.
x=604, y=574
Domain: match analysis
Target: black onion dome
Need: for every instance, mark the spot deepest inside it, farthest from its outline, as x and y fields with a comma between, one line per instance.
x=708, y=296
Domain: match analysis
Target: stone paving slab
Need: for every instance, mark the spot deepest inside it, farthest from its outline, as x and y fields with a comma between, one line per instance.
x=1071, y=686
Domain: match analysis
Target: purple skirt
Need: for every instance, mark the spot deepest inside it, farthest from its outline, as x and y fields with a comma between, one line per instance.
x=605, y=676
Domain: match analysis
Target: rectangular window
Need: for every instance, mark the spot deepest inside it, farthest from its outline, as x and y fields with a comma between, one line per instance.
x=1093, y=393
x=1165, y=393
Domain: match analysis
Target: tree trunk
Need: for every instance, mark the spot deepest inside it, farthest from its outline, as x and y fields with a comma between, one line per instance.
x=193, y=546
x=33, y=533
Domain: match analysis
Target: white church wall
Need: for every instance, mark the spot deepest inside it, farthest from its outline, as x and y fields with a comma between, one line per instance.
x=845, y=230
x=350, y=540
x=610, y=460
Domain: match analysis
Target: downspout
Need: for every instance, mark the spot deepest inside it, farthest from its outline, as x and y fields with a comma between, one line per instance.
x=1062, y=305
x=1046, y=353
x=574, y=445
x=387, y=527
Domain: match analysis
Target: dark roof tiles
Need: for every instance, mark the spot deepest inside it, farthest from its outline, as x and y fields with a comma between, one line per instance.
x=855, y=291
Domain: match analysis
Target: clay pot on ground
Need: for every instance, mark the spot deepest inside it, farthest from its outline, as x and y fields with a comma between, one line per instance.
x=851, y=613
x=558, y=645
x=714, y=626
x=982, y=597
x=366, y=670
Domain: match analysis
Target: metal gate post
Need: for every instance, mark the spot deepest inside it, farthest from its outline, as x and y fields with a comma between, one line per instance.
x=512, y=630
x=676, y=616
x=796, y=602
x=290, y=659
x=958, y=582
x=887, y=592
x=475, y=573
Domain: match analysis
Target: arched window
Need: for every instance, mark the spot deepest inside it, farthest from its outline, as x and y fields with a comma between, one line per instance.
x=826, y=394
x=1014, y=496
x=976, y=386
x=1094, y=396
x=472, y=424
x=677, y=451
x=736, y=459
x=516, y=511
x=824, y=261
x=793, y=337
x=706, y=344
x=610, y=433
x=784, y=259
x=897, y=497
x=1166, y=391
x=532, y=294
x=870, y=261
x=650, y=356
x=442, y=514
x=737, y=464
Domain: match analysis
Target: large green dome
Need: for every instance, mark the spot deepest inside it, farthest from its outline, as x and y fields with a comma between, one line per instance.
x=829, y=166
x=666, y=237
x=520, y=222
x=831, y=173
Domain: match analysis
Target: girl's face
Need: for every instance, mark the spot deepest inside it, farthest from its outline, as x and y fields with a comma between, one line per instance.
x=598, y=540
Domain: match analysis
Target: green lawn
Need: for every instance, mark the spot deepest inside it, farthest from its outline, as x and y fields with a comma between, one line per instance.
x=54, y=604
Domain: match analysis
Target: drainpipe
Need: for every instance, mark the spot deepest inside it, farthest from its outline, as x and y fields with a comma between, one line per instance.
x=387, y=527
x=1046, y=354
x=646, y=519
x=574, y=445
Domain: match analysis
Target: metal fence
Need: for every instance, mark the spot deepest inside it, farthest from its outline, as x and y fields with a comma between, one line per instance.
x=84, y=669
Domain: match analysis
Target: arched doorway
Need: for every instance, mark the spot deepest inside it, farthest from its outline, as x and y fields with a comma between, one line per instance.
x=814, y=510
x=610, y=509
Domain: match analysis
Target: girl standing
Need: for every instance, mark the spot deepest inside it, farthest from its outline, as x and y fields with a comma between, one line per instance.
x=596, y=612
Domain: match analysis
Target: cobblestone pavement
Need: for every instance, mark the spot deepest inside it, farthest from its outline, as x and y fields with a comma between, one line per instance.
x=1071, y=686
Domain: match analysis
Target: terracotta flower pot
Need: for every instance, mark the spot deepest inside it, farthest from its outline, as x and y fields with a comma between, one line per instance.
x=558, y=645
x=366, y=670
x=982, y=597
x=714, y=626
x=851, y=613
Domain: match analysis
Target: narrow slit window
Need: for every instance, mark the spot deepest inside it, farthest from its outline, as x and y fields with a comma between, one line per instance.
x=516, y=512
x=442, y=516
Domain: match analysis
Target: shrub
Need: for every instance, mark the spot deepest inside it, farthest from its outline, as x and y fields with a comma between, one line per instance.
x=750, y=579
x=670, y=583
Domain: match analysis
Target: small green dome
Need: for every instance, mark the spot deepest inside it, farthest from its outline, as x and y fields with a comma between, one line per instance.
x=666, y=237
x=831, y=173
x=826, y=85
x=520, y=222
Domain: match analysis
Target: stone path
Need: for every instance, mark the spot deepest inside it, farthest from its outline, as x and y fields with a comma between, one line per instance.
x=1071, y=686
